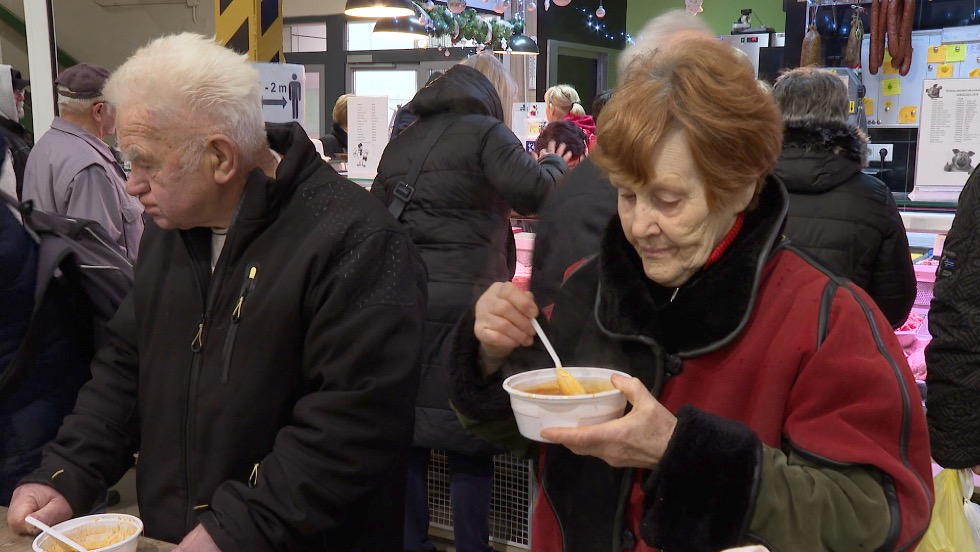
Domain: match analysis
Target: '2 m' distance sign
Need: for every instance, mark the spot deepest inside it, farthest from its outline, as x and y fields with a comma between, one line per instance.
x=283, y=92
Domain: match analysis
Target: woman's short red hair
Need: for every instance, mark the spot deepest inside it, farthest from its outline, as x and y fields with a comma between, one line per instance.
x=702, y=88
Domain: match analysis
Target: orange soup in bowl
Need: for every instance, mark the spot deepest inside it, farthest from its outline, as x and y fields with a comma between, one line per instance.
x=591, y=385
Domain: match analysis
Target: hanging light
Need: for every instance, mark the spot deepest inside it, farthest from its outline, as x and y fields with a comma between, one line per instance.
x=406, y=27
x=379, y=8
x=522, y=45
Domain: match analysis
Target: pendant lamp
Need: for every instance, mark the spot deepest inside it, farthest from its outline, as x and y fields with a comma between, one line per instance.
x=379, y=8
x=408, y=27
x=521, y=45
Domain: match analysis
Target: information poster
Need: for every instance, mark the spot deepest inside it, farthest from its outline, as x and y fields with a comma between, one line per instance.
x=527, y=121
x=367, y=134
x=283, y=92
x=949, y=138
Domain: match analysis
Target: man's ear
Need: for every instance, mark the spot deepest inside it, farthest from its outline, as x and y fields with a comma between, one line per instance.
x=222, y=157
x=98, y=111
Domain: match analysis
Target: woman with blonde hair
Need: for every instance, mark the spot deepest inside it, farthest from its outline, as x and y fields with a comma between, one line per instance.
x=562, y=103
x=470, y=179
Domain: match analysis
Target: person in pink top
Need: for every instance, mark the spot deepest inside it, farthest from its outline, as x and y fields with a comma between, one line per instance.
x=564, y=104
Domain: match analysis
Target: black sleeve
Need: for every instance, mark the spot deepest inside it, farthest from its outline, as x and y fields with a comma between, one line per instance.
x=893, y=285
x=953, y=356
x=96, y=443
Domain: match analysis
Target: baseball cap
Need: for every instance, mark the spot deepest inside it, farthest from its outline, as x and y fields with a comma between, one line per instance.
x=17, y=80
x=82, y=81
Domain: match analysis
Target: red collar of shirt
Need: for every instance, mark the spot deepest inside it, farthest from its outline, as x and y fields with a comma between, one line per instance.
x=726, y=241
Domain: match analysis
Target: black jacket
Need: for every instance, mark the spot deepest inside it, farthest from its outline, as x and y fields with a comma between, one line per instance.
x=846, y=219
x=271, y=401
x=459, y=218
x=569, y=227
x=953, y=355
x=335, y=142
x=403, y=117
x=20, y=142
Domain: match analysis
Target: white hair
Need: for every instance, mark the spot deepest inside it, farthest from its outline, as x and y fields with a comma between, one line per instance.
x=191, y=87
x=75, y=105
x=660, y=32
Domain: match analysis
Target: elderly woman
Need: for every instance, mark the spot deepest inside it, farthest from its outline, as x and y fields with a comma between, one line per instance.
x=771, y=403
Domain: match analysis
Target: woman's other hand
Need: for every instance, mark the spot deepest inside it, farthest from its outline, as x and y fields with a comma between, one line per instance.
x=637, y=440
x=503, y=323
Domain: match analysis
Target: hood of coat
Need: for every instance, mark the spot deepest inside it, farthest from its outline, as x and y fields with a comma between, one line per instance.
x=818, y=158
x=711, y=308
x=461, y=90
x=584, y=122
x=8, y=106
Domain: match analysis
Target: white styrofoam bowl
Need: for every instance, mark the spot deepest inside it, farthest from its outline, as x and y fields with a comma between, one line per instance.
x=535, y=412
x=87, y=530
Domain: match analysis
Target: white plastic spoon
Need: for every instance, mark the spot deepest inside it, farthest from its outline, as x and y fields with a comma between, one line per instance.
x=56, y=534
x=547, y=343
x=567, y=383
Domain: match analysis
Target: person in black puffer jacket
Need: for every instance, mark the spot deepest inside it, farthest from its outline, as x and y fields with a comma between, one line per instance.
x=953, y=355
x=844, y=218
x=459, y=218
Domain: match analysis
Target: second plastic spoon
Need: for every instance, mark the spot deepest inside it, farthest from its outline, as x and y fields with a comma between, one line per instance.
x=55, y=534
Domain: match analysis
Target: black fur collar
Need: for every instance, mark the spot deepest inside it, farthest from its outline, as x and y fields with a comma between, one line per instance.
x=712, y=307
x=839, y=139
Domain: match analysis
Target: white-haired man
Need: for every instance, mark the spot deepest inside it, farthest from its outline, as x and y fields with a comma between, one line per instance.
x=662, y=31
x=265, y=364
x=71, y=171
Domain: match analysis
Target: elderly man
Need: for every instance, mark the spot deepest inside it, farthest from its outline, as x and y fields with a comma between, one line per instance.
x=71, y=170
x=265, y=365
x=19, y=140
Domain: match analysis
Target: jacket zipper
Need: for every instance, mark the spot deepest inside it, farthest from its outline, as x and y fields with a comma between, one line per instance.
x=209, y=293
x=236, y=316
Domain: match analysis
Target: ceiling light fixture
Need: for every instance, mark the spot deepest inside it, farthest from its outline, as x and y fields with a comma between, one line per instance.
x=379, y=8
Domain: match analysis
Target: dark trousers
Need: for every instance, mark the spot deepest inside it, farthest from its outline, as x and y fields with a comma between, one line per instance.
x=470, y=483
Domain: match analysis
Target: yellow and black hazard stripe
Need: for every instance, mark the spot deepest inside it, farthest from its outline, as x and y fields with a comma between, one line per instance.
x=252, y=27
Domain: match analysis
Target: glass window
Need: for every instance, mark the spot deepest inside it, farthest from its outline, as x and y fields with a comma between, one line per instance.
x=307, y=37
x=360, y=36
x=397, y=84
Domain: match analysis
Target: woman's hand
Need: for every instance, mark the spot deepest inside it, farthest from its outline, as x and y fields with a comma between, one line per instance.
x=637, y=440
x=557, y=149
x=503, y=323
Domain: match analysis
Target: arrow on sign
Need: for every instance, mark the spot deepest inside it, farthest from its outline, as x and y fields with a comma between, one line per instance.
x=281, y=102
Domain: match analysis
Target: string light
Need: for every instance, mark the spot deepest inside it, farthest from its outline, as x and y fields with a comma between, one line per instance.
x=596, y=27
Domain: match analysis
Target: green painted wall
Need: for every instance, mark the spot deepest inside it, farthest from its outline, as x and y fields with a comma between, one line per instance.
x=718, y=14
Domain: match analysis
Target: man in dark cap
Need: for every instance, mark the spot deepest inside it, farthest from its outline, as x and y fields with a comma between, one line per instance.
x=19, y=140
x=73, y=172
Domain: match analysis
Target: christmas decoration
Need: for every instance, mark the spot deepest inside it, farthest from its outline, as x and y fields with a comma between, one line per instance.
x=561, y=3
x=469, y=27
x=531, y=6
x=601, y=12
x=456, y=6
x=693, y=7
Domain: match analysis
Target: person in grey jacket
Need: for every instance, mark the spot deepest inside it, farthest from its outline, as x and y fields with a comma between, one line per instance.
x=844, y=218
x=476, y=173
x=71, y=171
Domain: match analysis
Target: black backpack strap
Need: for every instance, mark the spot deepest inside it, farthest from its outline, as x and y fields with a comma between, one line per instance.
x=405, y=189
